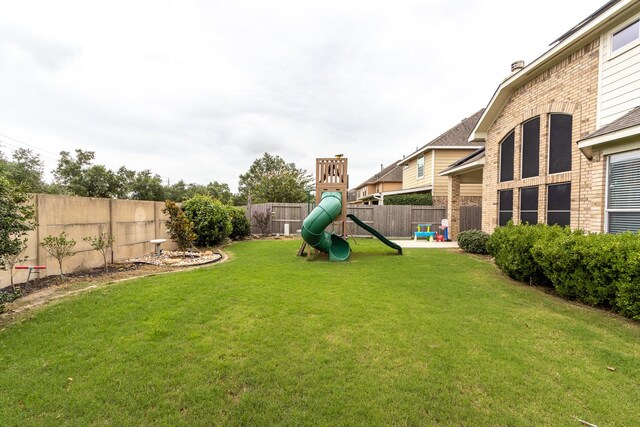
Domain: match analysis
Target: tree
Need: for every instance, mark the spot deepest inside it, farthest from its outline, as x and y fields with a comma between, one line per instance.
x=101, y=243
x=263, y=220
x=181, y=191
x=179, y=227
x=271, y=179
x=16, y=220
x=82, y=178
x=11, y=260
x=220, y=191
x=71, y=171
x=146, y=186
x=27, y=168
x=59, y=247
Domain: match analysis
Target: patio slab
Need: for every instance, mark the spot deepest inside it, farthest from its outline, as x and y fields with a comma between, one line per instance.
x=425, y=244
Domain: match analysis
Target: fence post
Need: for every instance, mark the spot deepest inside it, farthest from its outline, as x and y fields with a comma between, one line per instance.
x=112, y=226
x=41, y=254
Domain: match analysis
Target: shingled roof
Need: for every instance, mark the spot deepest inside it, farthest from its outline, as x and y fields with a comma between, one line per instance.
x=585, y=21
x=456, y=137
x=624, y=128
x=473, y=157
x=391, y=173
x=629, y=120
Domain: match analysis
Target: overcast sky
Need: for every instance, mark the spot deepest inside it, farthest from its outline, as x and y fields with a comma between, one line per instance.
x=197, y=90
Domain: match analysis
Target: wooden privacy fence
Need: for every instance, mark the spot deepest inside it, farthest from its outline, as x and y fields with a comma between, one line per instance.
x=391, y=221
x=470, y=218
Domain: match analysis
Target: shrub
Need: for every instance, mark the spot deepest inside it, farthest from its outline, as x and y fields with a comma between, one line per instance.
x=10, y=260
x=511, y=247
x=16, y=220
x=597, y=269
x=263, y=219
x=473, y=241
x=59, y=247
x=6, y=297
x=101, y=243
x=179, y=227
x=628, y=289
x=211, y=220
x=409, y=199
x=240, y=225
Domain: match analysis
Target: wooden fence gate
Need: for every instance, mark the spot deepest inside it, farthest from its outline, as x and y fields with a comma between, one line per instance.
x=470, y=218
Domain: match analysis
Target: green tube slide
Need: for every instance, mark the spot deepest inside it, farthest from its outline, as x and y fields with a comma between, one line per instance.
x=321, y=216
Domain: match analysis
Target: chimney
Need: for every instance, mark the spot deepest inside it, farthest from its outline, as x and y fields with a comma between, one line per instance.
x=517, y=66
x=381, y=167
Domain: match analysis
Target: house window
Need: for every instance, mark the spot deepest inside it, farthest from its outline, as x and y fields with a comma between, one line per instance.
x=529, y=205
x=505, y=206
x=531, y=148
x=628, y=34
x=560, y=126
x=420, y=167
x=623, y=196
x=559, y=204
x=506, y=158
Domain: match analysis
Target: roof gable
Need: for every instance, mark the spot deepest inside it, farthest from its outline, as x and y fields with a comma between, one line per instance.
x=566, y=44
x=455, y=138
x=392, y=173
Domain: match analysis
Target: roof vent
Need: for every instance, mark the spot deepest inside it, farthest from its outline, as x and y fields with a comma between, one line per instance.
x=517, y=66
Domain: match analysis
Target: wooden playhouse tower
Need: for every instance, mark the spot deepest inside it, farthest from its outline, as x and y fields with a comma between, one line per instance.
x=331, y=175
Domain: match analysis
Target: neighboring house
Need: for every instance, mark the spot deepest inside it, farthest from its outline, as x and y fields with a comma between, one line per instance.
x=373, y=190
x=420, y=169
x=562, y=135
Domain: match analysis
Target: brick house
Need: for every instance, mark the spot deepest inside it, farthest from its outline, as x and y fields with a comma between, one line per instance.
x=562, y=134
x=420, y=169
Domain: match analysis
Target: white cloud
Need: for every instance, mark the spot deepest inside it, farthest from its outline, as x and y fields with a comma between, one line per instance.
x=197, y=89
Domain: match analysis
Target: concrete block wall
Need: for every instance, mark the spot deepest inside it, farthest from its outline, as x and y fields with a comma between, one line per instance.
x=132, y=222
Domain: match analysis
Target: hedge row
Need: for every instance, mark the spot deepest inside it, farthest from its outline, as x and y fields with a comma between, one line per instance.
x=597, y=269
x=409, y=199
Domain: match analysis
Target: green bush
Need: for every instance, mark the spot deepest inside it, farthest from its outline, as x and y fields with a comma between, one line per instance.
x=473, y=241
x=240, y=225
x=211, y=220
x=8, y=296
x=597, y=269
x=409, y=199
x=179, y=227
x=511, y=247
x=628, y=289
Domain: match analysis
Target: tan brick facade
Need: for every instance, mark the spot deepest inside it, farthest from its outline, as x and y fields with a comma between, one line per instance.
x=569, y=87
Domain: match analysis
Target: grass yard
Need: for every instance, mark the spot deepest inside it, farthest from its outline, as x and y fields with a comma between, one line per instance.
x=432, y=337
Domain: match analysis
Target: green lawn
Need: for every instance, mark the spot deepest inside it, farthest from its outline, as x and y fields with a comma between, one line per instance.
x=432, y=337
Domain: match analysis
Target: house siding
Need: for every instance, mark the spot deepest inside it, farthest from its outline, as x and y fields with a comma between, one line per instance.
x=619, y=76
x=444, y=158
x=410, y=173
x=569, y=87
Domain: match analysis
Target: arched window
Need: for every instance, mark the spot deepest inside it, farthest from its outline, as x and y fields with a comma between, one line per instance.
x=531, y=148
x=506, y=158
x=560, y=127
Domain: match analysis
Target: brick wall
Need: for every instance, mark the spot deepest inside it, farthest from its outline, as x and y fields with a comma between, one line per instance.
x=570, y=87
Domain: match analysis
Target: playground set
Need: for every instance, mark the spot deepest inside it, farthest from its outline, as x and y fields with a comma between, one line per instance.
x=332, y=182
